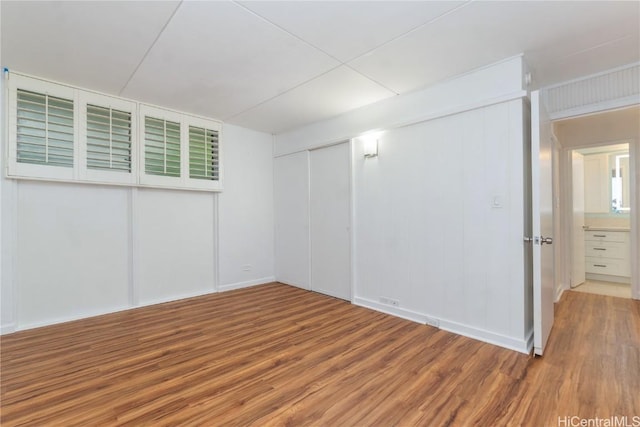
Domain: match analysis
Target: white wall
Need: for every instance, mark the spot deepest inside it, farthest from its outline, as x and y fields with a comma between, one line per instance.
x=492, y=84
x=426, y=231
x=75, y=250
x=246, y=209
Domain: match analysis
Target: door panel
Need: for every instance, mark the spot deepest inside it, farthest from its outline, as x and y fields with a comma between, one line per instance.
x=542, y=223
x=330, y=219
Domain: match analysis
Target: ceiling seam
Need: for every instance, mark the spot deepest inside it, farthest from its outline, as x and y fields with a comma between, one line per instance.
x=414, y=29
x=166, y=24
x=314, y=47
x=282, y=93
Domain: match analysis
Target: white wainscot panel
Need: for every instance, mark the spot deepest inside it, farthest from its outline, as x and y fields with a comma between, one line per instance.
x=174, y=244
x=72, y=257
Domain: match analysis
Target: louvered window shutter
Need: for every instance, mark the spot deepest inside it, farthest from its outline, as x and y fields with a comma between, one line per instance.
x=203, y=153
x=108, y=139
x=45, y=131
x=162, y=147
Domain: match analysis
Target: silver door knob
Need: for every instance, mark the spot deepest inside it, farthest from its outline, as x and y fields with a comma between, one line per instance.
x=547, y=240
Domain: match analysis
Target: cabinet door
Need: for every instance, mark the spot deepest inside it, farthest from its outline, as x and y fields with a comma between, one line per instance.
x=596, y=184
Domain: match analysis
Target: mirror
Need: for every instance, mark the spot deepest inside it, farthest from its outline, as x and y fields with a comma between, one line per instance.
x=620, y=192
x=607, y=191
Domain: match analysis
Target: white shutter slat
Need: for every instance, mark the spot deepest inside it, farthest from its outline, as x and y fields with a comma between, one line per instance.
x=203, y=153
x=44, y=133
x=162, y=147
x=108, y=146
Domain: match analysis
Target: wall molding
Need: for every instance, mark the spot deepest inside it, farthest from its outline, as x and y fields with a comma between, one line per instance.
x=519, y=345
x=403, y=313
x=65, y=319
x=611, y=89
x=246, y=284
x=523, y=346
x=8, y=328
x=173, y=298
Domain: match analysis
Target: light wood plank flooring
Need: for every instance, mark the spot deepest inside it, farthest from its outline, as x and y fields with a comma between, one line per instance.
x=277, y=355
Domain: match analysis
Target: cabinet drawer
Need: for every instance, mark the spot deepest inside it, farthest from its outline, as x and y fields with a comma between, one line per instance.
x=606, y=250
x=612, y=267
x=607, y=236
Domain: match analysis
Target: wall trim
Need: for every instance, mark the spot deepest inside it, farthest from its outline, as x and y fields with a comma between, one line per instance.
x=65, y=319
x=601, y=107
x=8, y=328
x=530, y=341
x=246, y=284
x=522, y=346
x=394, y=311
x=286, y=282
x=487, y=102
x=175, y=298
x=519, y=345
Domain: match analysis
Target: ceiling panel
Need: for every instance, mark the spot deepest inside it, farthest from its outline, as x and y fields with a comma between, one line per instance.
x=96, y=45
x=335, y=92
x=484, y=32
x=218, y=59
x=347, y=29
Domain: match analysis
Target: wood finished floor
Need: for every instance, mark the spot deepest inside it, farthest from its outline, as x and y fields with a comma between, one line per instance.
x=277, y=355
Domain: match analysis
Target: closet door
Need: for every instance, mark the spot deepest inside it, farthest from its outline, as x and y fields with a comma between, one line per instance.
x=330, y=214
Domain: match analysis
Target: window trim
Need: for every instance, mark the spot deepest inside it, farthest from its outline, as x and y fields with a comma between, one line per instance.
x=203, y=183
x=93, y=175
x=80, y=173
x=30, y=170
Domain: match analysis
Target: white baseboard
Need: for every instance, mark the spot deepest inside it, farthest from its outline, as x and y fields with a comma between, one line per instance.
x=394, y=311
x=285, y=282
x=486, y=336
x=530, y=341
x=8, y=328
x=174, y=298
x=93, y=313
x=64, y=319
x=522, y=346
x=608, y=278
x=248, y=283
x=559, y=292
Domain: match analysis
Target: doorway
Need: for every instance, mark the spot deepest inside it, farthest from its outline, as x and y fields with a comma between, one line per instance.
x=597, y=200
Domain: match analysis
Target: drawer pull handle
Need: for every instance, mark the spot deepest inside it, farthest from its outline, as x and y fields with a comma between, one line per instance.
x=599, y=235
x=599, y=249
x=599, y=265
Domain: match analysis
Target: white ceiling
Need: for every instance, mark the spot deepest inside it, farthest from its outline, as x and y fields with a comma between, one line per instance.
x=273, y=66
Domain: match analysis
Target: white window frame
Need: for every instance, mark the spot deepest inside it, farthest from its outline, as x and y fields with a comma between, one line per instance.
x=80, y=173
x=107, y=176
x=203, y=183
x=185, y=120
x=17, y=169
x=162, y=114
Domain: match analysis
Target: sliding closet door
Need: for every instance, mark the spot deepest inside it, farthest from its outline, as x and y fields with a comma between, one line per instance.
x=330, y=214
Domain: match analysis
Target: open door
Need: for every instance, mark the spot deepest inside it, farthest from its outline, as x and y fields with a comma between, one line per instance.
x=578, y=262
x=542, y=223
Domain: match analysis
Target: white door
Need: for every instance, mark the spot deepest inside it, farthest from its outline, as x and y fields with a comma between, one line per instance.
x=542, y=223
x=577, y=230
x=330, y=219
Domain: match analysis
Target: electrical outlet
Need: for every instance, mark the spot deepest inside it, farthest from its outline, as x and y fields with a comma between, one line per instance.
x=246, y=267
